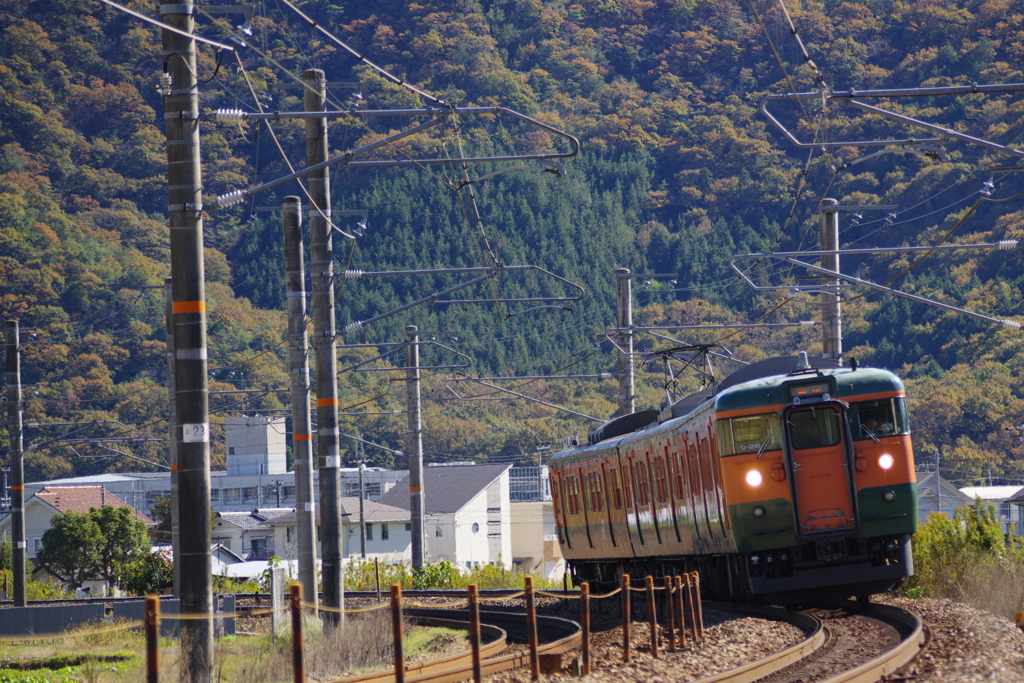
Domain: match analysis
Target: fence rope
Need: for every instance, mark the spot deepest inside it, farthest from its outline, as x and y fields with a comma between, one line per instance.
x=68, y=635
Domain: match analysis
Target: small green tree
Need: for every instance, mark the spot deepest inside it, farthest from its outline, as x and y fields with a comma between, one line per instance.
x=124, y=538
x=147, y=573
x=71, y=548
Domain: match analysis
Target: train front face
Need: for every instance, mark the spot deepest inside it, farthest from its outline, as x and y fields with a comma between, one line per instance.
x=819, y=474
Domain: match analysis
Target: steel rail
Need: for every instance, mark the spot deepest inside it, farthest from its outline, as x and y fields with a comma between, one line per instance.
x=816, y=637
x=891, y=660
x=458, y=667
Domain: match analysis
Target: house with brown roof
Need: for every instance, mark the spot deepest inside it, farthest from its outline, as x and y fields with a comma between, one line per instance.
x=54, y=500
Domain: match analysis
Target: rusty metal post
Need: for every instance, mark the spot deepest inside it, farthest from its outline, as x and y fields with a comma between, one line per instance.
x=698, y=607
x=625, y=617
x=681, y=608
x=396, y=631
x=152, y=639
x=585, y=625
x=670, y=609
x=652, y=614
x=531, y=629
x=474, y=631
x=298, y=642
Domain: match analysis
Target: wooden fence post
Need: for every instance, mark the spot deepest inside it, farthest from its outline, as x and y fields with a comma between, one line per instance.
x=298, y=664
x=474, y=630
x=531, y=629
x=396, y=631
x=625, y=618
x=585, y=624
x=152, y=639
x=652, y=614
x=670, y=606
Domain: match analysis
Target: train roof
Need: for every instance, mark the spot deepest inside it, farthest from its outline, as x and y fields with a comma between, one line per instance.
x=758, y=384
x=770, y=389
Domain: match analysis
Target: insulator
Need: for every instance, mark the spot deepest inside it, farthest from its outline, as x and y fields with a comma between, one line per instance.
x=352, y=327
x=806, y=322
x=230, y=199
x=229, y=115
x=1010, y=324
x=353, y=274
x=1007, y=244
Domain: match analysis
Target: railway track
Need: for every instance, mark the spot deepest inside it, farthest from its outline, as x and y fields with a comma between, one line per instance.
x=848, y=643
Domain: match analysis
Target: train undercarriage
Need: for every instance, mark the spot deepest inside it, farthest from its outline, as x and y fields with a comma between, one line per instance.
x=817, y=571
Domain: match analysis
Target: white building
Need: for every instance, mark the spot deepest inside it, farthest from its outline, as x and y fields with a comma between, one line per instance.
x=535, y=546
x=255, y=478
x=1007, y=501
x=467, y=514
x=388, y=532
x=935, y=494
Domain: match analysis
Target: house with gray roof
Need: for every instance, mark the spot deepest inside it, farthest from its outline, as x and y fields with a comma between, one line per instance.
x=249, y=534
x=387, y=529
x=467, y=516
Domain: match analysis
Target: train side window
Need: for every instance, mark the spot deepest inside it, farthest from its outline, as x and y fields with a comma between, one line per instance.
x=749, y=434
x=660, y=481
x=588, y=492
x=614, y=490
x=639, y=471
x=598, y=494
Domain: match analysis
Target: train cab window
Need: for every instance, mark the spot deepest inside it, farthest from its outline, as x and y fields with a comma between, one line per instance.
x=874, y=419
x=749, y=434
x=814, y=428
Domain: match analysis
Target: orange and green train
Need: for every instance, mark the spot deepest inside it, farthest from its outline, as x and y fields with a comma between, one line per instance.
x=792, y=480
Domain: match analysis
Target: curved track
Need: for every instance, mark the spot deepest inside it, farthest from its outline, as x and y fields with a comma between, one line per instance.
x=862, y=644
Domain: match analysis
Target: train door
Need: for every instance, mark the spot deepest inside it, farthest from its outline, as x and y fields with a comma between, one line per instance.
x=652, y=493
x=714, y=488
x=629, y=487
x=816, y=448
x=639, y=481
x=586, y=502
x=700, y=494
x=667, y=483
x=614, y=498
x=560, y=501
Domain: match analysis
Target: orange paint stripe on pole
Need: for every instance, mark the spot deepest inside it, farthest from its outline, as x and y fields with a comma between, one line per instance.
x=174, y=467
x=326, y=402
x=301, y=437
x=414, y=489
x=17, y=488
x=189, y=307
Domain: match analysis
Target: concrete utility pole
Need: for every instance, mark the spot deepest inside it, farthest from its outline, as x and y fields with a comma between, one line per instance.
x=414, y=441
x=185, y=218
x=362, y=495
x=16, y=463
x=298, y=364
x=321, y=258
x=624, y=321
x=172, y=426
x=831, y=313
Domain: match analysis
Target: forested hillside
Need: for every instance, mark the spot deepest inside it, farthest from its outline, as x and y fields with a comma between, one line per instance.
x=678, y=173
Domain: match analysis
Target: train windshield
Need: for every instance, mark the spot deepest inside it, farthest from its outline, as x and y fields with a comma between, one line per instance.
x=749, y=434
x=814, y=428
x=875, y=419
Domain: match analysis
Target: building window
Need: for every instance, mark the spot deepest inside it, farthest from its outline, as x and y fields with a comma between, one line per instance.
x=475, y=527
x=369, y=532
x=289, y=534
x=288, y=491
x=250, y=492
x=231, y=494
x=214, y=495
x=37, y=543
x=408, y=526
x=439, y=531
x=383, y=532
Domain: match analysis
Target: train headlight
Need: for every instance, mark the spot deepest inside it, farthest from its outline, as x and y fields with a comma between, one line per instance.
x=889, y=496
x=754, y=478
x=886, y=461
x=758, y=512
